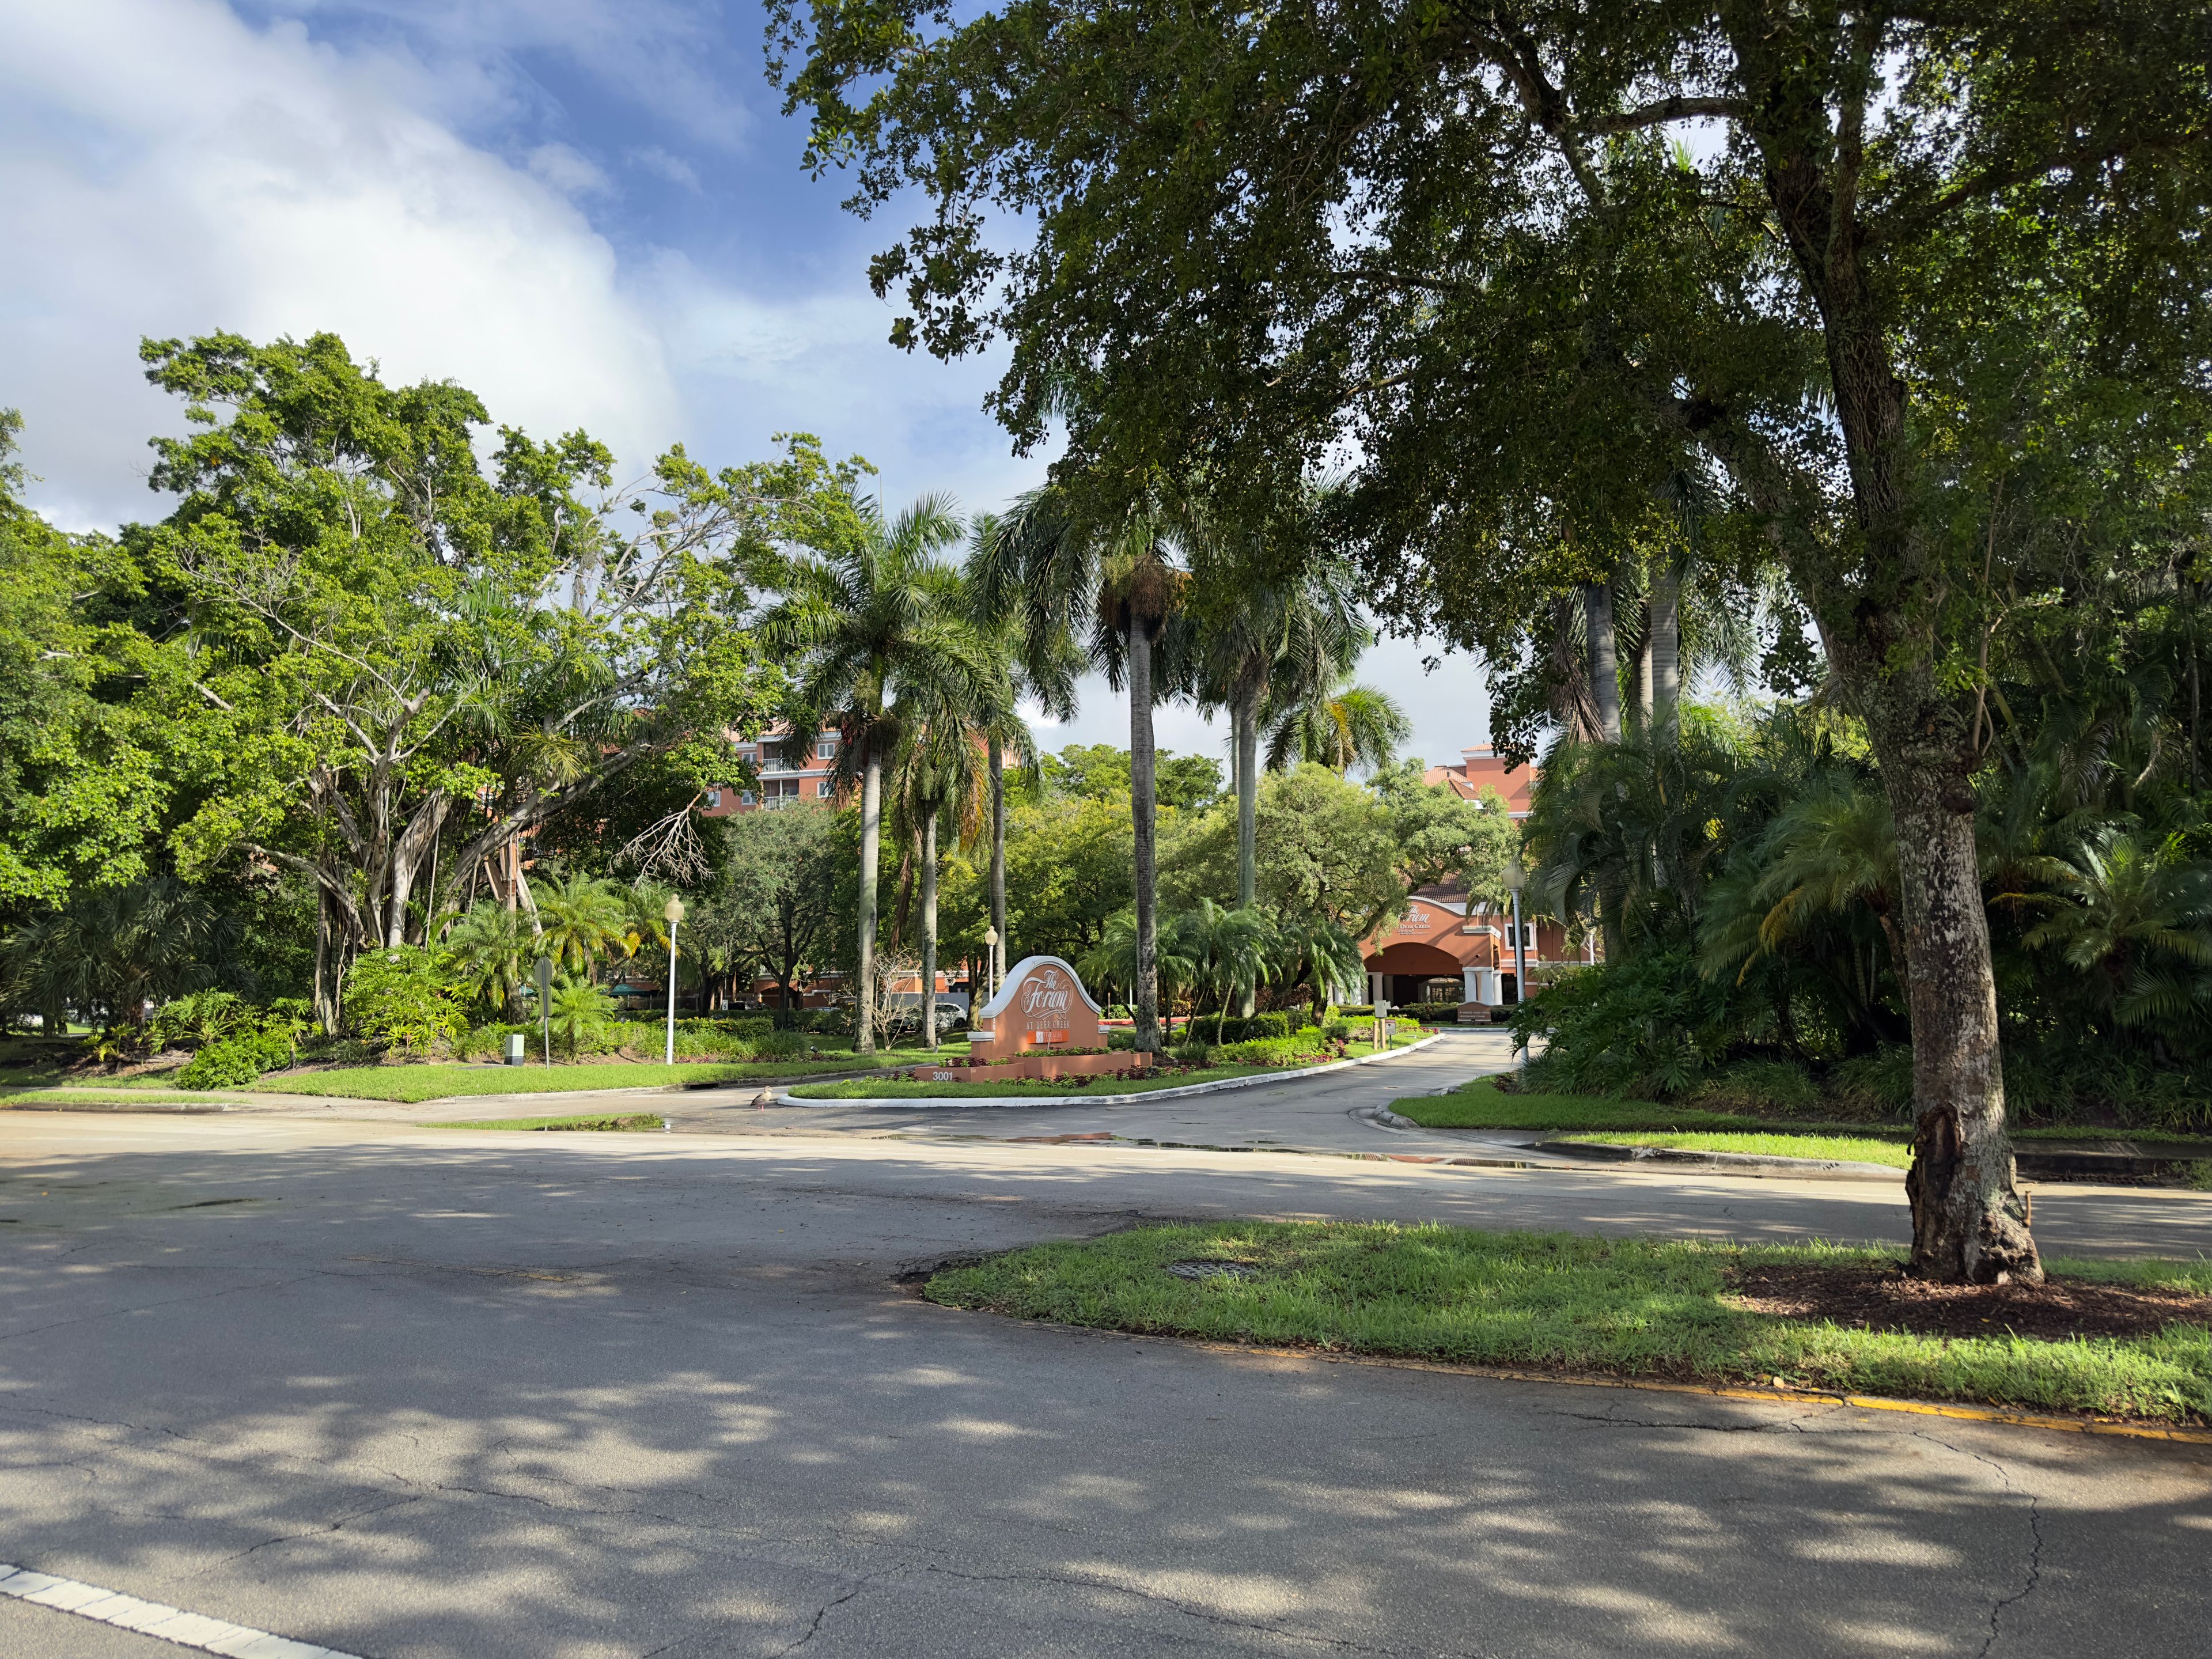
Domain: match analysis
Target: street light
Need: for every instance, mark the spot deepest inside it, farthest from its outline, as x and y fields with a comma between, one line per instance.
x=674, y=911
x=1515, y=879
x=990, y=965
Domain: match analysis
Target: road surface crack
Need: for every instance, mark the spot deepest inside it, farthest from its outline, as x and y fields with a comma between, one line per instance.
x=2035, y=1533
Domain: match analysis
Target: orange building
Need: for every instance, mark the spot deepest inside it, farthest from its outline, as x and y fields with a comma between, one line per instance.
x=1448, y=948
x=1480, y=768
x=791, y=769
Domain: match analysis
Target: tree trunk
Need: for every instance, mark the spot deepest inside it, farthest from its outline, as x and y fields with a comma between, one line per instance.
x=1664, y=652
x=1969, y=1222
x=325, y=1005
x=929, y=929
x=998, y=952
x=417, y=841
x=1604, y=660
x=872, y=826
x=1246, y=717
x=1141, y=806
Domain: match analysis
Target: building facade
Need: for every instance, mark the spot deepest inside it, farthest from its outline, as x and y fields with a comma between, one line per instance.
x=791, y=769
x=1449, y=947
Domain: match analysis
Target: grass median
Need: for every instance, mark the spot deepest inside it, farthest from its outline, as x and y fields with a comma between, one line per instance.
x=416, y=1082
x=1481, y=1104
x=884, y=1088
x=1632, y=1308
x=1861, y=1147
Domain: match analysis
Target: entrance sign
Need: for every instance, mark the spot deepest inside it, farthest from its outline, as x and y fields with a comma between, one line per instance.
x=1042, y=1006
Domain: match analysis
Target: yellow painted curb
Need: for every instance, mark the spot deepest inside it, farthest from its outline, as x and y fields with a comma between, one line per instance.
x=1716, y=1391
x=1709, y=1390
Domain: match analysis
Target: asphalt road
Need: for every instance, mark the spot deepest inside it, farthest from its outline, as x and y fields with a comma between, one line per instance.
x=416, y=1393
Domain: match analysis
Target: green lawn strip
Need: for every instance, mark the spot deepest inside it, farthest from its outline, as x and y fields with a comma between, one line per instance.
x=1618, y=1307
x=1480, y=1104
x=864, y=1088
x=907, y=1088
x=628, y=1121
x=435, y=1081
x=1860, y=1148
x=144, y=1099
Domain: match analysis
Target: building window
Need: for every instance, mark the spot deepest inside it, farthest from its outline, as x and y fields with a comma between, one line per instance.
x=825, y=748
x=713, y=800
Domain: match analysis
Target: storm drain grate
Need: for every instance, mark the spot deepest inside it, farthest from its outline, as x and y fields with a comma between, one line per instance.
x=1204, y=1269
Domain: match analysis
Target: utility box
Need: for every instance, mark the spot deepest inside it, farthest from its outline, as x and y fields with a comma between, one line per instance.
x=517, y=1046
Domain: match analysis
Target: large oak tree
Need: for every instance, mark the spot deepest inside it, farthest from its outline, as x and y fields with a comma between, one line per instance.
x=1525, y=260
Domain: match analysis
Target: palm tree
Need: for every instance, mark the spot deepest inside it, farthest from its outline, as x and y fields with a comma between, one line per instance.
x=1341, y=725
x=1316, y=951
x=582, y=917
x=494, y=947
x=1227, y=950
x=1115, y=959
x=1263, y=642
x=941, y=773
x=2122, y=904
x=1045, y=663
x=867, y=622
x=1113, y=579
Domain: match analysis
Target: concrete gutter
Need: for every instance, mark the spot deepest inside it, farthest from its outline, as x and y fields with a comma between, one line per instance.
x=910, y=1102
x=1823, y=1169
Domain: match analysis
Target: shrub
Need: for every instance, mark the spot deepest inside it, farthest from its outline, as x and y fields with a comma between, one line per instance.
x=1303, y=1048
x=234, y=1061
x=581, y=1013
x=1777, y=1086
x=405, y=996
x=205, y=1017
x=1336, y=1030
x=1192, y=1053
x=1880, y=1083
x=489, y=1041
x=1121, y=1040
x=1648, y=1028
x=1240, y=1030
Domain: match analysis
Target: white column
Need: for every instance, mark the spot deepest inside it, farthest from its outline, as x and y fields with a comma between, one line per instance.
x=1374, y=987
x=1470, y=984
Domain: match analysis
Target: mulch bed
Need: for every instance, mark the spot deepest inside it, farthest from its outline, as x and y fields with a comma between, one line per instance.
x=1884, y=1299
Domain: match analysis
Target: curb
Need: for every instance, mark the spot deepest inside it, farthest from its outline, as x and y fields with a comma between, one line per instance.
x=1607, y=1151
x=1872, y=1402
x=912, y=1102
x=1769, y=1396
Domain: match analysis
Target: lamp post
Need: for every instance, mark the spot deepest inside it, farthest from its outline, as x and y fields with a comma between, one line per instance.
x=1515, y=879
x=990, y=967
x=545, y=1005
x=674, y=911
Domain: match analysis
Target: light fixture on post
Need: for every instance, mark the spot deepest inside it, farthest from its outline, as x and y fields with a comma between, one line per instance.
x=990, y=970
x=1515, y=879
x=673, y=910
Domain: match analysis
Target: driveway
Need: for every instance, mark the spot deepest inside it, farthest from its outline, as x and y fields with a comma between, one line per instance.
x=407, y=1393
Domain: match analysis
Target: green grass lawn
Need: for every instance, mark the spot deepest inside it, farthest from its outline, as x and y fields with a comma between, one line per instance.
x=907, y=1088
x=1480, y=1104
x=1624, y=1308
x=432, y=1082
x=148, y=1100
x=628, y=1123
x=1860, y=1148
x=863, y=1088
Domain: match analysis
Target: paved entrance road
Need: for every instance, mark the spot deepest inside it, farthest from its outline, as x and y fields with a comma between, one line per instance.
x=408, y=1394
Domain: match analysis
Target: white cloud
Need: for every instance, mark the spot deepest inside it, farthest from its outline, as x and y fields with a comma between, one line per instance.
x=568, y=171
x=751, y=365
x=172, y=171
x=654, y=160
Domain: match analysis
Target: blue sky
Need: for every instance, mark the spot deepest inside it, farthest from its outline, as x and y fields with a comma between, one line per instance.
x=590, y=211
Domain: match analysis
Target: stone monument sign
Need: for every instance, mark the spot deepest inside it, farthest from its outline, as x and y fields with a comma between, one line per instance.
x=1042, y=1006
